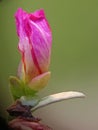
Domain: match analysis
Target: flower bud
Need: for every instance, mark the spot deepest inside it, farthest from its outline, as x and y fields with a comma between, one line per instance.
x=34, y=45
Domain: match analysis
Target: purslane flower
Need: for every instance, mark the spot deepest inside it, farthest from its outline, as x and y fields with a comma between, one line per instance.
x=35, y=41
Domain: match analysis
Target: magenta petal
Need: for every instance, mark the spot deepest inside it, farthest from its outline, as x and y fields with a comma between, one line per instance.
x=20, y=17
x=34, y=42
x=41, y=39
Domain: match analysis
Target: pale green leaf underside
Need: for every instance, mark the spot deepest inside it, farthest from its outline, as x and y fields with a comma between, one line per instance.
x=57, y=98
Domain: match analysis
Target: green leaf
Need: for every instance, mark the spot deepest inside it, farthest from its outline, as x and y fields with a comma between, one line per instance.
x=28, y=91
x=16, y=88
x=19, y=89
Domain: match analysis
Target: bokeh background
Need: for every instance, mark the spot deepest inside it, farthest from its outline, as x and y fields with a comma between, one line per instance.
x=74, y=61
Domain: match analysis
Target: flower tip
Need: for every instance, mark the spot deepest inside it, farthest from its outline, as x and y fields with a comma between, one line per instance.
x=18, y=11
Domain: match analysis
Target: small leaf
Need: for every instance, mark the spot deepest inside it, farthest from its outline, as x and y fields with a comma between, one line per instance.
x=28, y=91
x=57, y=98
x=16, y=88
x=14, y=81
x=19, y=89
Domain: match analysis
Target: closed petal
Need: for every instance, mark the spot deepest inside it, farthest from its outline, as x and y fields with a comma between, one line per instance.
x=34, y=43
x=41, y=39
x=27, y=69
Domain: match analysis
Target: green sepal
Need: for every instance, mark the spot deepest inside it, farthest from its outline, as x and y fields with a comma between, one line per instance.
x=19, y=88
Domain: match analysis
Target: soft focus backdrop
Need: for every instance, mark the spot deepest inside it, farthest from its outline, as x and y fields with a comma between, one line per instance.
x=74, y=61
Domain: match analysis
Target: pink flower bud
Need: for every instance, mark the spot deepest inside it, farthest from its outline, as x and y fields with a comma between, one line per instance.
x=34, y=43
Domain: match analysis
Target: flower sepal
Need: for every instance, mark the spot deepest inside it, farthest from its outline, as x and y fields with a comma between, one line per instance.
x=19, y=88
x=40, y=81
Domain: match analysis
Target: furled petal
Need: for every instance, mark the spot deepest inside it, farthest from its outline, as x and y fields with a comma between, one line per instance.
x=34, y=43
x=41, y=39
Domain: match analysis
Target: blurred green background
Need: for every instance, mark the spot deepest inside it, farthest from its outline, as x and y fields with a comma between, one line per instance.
x=74, y=61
